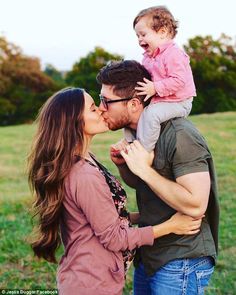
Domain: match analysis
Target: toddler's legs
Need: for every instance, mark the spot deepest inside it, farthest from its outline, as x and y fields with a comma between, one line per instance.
x=129, y=134
x=186, y=105
x=154, y=114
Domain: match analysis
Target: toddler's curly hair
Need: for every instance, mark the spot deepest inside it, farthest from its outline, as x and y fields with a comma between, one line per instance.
x=161, y=17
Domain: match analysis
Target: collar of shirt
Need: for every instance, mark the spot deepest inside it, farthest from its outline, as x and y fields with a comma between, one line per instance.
x=161, y=48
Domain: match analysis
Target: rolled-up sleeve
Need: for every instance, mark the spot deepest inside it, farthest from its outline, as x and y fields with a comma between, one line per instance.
x=190, y=156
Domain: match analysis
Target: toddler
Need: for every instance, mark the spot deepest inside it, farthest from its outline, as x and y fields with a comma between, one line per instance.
x=172, y=87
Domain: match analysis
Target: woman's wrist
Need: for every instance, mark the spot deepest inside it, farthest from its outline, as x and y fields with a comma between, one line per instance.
x=162, y=229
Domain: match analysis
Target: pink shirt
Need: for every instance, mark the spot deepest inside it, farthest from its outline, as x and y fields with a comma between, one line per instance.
x=93, y=236
x=171, y=73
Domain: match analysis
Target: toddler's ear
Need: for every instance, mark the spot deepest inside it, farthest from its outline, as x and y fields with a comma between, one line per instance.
x=164, y=32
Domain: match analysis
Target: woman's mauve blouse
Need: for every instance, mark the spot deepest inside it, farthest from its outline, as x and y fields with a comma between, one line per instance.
x=94, y=236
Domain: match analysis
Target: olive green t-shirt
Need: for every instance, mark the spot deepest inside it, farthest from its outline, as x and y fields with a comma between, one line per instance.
x=180, y=150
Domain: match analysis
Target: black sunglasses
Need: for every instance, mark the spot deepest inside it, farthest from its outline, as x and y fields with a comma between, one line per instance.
x=106, y=101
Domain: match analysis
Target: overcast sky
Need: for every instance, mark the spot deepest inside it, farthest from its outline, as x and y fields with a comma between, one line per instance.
x=59, y=32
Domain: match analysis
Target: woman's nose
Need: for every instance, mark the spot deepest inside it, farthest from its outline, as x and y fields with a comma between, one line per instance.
x=99, y=111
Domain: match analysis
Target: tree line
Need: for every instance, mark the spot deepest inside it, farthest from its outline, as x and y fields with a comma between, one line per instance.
x=24, y=86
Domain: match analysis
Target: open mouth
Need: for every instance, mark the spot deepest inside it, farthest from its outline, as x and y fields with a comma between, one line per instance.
x=144, y=46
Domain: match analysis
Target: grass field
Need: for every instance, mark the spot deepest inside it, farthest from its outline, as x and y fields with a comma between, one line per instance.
x=18, y=267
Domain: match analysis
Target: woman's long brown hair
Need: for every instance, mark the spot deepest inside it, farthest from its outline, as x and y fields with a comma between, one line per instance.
x=59, y=135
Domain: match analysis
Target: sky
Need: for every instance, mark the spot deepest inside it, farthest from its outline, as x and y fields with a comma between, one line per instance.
x=60, y=32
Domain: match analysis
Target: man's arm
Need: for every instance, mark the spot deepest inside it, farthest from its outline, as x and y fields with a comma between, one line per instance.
x=189, y=194
x=134, y=217
x=129, y=178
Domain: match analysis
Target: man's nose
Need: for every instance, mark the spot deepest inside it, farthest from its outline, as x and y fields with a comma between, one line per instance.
x=101, y=107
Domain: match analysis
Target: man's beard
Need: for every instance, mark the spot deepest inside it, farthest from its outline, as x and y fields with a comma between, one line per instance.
x=119, y=124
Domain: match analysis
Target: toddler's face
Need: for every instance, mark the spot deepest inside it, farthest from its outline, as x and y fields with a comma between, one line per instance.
x=148, y=38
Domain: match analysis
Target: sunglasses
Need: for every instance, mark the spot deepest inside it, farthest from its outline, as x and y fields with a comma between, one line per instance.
x=105, y=102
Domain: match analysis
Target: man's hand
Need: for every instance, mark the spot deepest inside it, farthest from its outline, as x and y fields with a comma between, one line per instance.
x=137, y=158
x=115, y=152
x=146, y=88
x=189, y=194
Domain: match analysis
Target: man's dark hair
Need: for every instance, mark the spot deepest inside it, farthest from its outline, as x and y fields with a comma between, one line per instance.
x=123, y=76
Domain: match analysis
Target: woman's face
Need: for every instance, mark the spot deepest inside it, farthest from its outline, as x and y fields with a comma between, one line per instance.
x=94, y=122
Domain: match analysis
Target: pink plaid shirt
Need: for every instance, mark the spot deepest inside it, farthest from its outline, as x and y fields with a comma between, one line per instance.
x=171, y=73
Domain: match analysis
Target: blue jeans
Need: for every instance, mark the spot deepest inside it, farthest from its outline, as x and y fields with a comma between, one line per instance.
x=178, y=277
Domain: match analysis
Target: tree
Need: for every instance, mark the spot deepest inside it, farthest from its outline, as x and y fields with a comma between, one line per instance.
x=55, y=75
x=84, y=72
x=214, y=68
x=23, y=86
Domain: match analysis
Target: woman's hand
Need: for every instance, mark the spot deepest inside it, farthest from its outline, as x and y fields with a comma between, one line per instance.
x=137, y=158
x=115, y=152
x=184, y=225
x=179, y=224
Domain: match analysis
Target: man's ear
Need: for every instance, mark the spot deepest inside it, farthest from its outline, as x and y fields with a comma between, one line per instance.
x=135, y=104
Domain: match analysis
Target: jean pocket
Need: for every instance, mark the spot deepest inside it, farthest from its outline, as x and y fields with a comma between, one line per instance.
x=174, y=266
x=203, y=278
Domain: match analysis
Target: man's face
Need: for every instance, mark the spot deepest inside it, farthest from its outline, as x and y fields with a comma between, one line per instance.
x=115, y=113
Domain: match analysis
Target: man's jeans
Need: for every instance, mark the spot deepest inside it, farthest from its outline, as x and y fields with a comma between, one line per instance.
x=178, y=277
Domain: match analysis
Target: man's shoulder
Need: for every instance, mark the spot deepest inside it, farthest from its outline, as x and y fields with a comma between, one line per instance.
x=179, y=124
x=181, y=131
x=183, y=148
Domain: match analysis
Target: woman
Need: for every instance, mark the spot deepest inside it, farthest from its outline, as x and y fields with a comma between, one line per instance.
x=79, y=202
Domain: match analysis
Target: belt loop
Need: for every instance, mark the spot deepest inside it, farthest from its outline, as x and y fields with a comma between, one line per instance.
x=186, y=264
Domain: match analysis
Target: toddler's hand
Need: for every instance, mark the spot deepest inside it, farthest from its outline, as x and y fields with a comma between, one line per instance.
x=146, y=88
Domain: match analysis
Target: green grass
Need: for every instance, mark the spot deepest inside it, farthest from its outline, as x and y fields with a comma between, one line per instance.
x=19, y=269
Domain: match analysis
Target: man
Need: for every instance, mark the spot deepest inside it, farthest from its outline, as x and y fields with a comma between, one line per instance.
x=181, y=178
